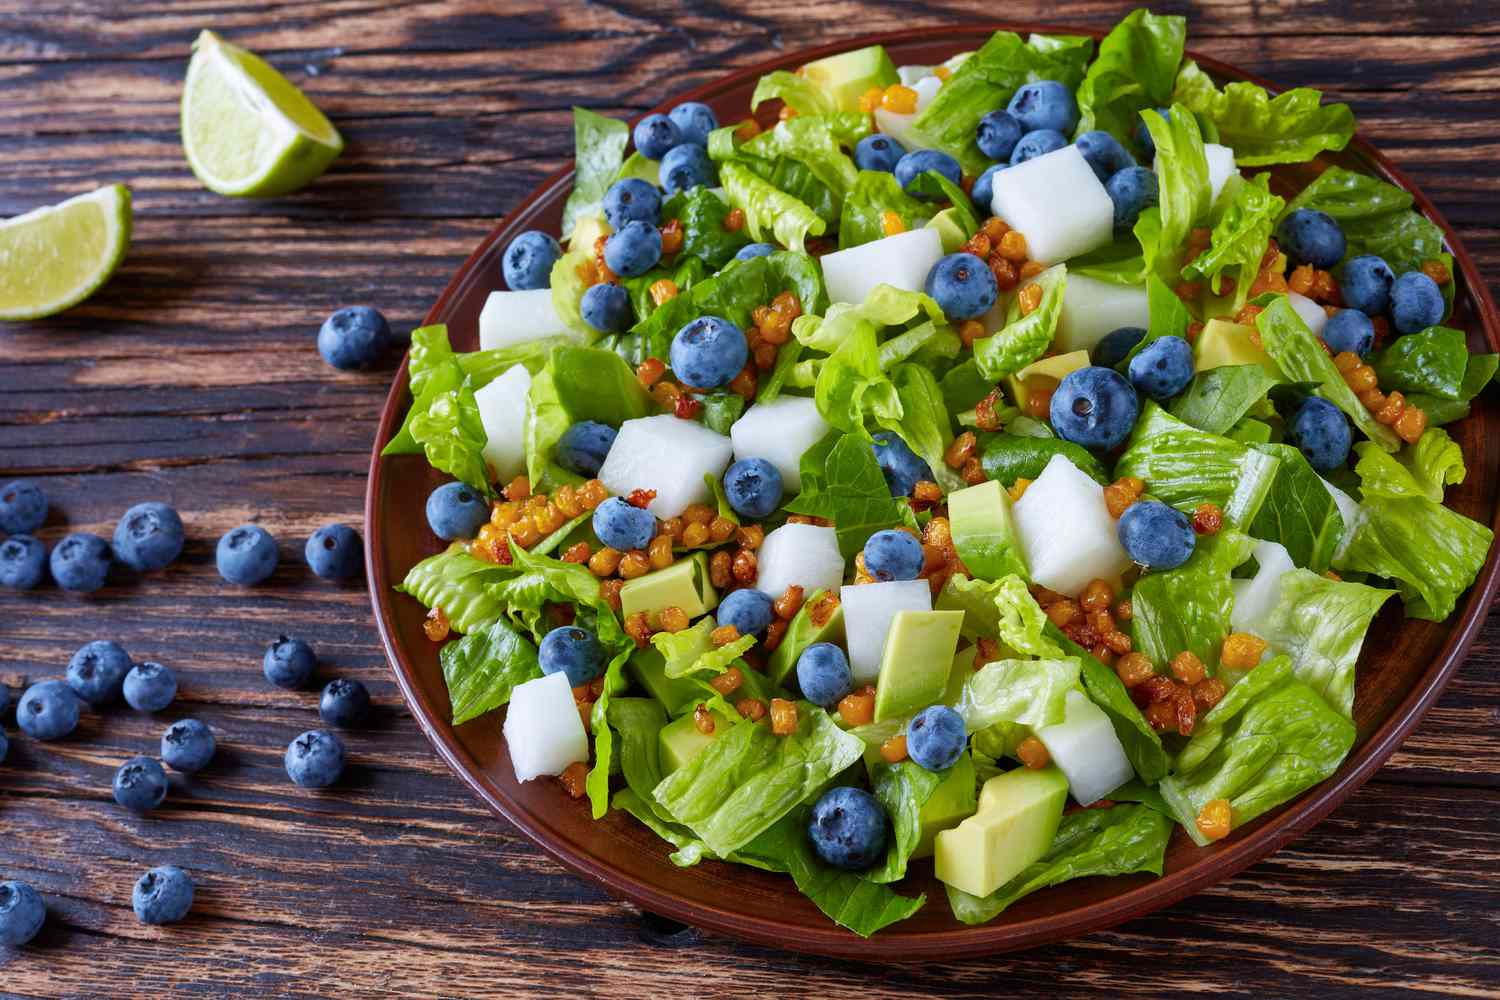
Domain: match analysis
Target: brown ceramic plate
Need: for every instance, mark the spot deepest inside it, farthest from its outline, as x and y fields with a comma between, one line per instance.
x=1404, y=667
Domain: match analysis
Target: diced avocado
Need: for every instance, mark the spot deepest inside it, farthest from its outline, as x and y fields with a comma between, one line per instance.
x=950, y=231
x=681, y=741
x=587, y=230
x=959, y=674
x=984, y=533
x=639, y=167
x=683, y=584
x=951, y=803
x=1054, y=368
x=1224, y=343
x=846, y=76
x=1250, y=431
x=1017, y=819
x=803, y=633
x=916, y=663
x=676, y=694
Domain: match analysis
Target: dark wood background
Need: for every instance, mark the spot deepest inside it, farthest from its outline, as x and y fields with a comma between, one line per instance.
x=193, y=378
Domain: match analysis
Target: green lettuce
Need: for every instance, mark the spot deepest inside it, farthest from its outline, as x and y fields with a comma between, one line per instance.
x=1003, y=609
x=639, y=722
x=875, y=193
x=847, y=487
x=600, y=149
x=1184, y=467
x=1168, y=316
x=939, y=189
x=1376, y=218
x=1011, y=456
x=769, y=211
x=885, y=306
x=923, y=343
x=1478, y=373
x=702, y=214
x=1291, y=127
x=800, y=633
x=577, y=383
x=795, y=91
x=852, y=386
x=692, y=652
x=1187, y=608
x=1239, y=241
x=1103, y=686
x=1135, y=70
x=1184, y=191
x=903, y=789
x=1217, y=399
x=484, y=667
x=1299, y=512
x=1435, y=463
x=925, y=424
x=1432, y=361
x=459, y=584
x=567, y=285
x=1024, y=338
x=452, y=436
x=1031, y=693
x=817, y=142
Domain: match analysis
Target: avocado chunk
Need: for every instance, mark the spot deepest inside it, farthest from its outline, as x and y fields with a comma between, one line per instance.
x=676, y=694
x=1224, y=343
x=951, y=803
x=984, y=532
x=803, y=632
x=916, y=663
x=587, y=230
x=846, y=76
x=949, y=230
x=1053, y=368
x=1017, y=819
x=1250, y=431
x=680, y=740
x=684, y=584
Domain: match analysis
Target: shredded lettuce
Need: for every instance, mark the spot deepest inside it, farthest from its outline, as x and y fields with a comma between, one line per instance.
x=1187, y=608
x=1024, y=337
x=1135, y=70
x=600, y=150
x=1291, y=127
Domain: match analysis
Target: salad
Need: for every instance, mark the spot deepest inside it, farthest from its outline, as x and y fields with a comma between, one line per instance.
x=991, y=462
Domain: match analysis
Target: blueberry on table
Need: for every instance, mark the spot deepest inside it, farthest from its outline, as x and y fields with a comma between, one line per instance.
x=162, y=896
x=334, y=552
x=345, y=702
x=574, y=651
x=1094, y=407
x=623, y=526
x=583, y=447
x=527, y=262
x=4, y=746
x=1366, y=284
x=188, y=745
x=96, y=673
x=755, y=250
x=1311, y=237
x=997, y=134
x=1132, y=191
x=847, y=828
x=288, y=663
x=80, y=562
x=983, y=192
x=1143, y=134
x=456, y=510
x=823, y=674
x=920, y=161
x=708, y=352
x=23, y=562
x=1104, y=154
x=1116, y=344
x=140, y=784
x=748, y=610
x=606, y=307
x=1416, y=303
x=1321, y=431
x=1155, y=535
x=685, y=167
x=655, y=134
x=315, y=759
x=48, y=710
x=354, y=337
x=694, y=120
x=23, y=507
x=246, y=555
x=633, y=249
x=22, y=913
x=1038, y=143
x=962, y=285
x=901, y=466
x=1349, y=330
x=935, y=737
x=753, y=487
x=893, y=555
x=878, y=151
x=1163, y=368
x=148, y=537
x=1045, y=104
x=632, y=200
x=150, y=687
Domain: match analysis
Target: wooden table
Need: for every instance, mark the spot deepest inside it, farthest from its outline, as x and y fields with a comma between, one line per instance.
x=193, y=378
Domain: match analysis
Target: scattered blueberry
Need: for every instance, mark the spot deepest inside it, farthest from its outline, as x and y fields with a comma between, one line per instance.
x=345, y=702
x=694, y=120
x=97, y=671
x=919, y=161
x=527, y=262
x=1143, y=134
x=633, y=249
x=755, y=250
x=622, y=525
x=1094, y=407
x=983, y=192
x=162, y=896
x=1132, y=190
x=1045, y=104
x=1039, y=143
x=901, y=466
x=150, y=687
x=4, y=746
x=148, y=537
x=823, y=674
x=584, y=446
x=1156, y=535
x=574, y=651
x=893, y=555
x=753, y=487
x=1321, y=431
x=935, y=737
x=847, y=828
x=354, y=337
x=1114, y=345
x=708, y=352
x=315, y=759
x=48, y=710
x=334, y=552
x=1366, y=284
x=454, y=510
x=246, y=555
x=997, y=134
x=1104, y=154
x=748, y=610
x=878, y=152
x=22, y=913
x=23, y=562
x=632, y=200
x=1416, y=303
x=140, y=784
x=606, y=307
x=188, y=745
x=1163, y=368
x=655, y=134
x=962, y=285
x=1311, y=237
x=288, y=663
x=686, y=167
x=1349, y=330
x=23, y=507
x=80, y=562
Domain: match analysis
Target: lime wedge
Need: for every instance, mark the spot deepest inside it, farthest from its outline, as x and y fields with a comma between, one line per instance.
x=246, y=130
x=55, y=257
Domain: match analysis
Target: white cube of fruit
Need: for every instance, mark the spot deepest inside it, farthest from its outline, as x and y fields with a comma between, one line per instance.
x=542, y=728
x=1220, y=166
x=502, y=410
x=909, y=75
x=1057, y=203
x=806, y=555
x=1311, y=313
x=779, y=432
x=899, y=127
x=901, y=261
x=668, y=455
x=1092, y=308
x=868, y=611
x=516, y=317
x=1255, y=597
x=927, y=88
x=1066, y=531
x=1086, y=749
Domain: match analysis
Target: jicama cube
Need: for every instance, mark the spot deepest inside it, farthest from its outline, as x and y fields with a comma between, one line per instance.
x=909, y=75
x=1254, y=598
x=543, y=729
x=668, y=455
x=1312, y=314
x=927, y=88
x=901, y=261
x=899, y=127
x=1057, y=204
x=1220, y=166
x=868, y=610
x=516, y=317
x=1085, y=748
x=779, y=432
x=1092, y=308
x=502, y=410
x=806, y=555
x=1066, y=531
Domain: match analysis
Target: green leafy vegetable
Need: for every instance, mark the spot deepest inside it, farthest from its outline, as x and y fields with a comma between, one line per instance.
x=1432, y=361
x=796, y=92
x=1299, y=512
x=1008, y=457
x=1376, y=218
x=875, y=193
x=1185, y=467
x=1168, y=317
x=1135, y=70
x=484, y=667
x=799, y=635
x=1292, y=127
x=639, y=722
x=1187, y=608
x=1142, y=746
x=692, y=651
x=459, y=584
x=1435, y=463
x=925, y=424
x=452, y=436
x=769, y=210
x=1185, y=194
x=1003, y=610
x=850, y=491
x=817, y=142
x=1024, y=338
x=1030, y=693
x=903, y=789
x=1219, y=398
x=702, y=214
x=1240, y=239
x=852, y=386
x=940, y=189
x=600, y=144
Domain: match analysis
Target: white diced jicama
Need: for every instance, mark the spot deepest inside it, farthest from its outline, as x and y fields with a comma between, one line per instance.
x=899, y=127
x=1348, y=511
x=1220, y=166
x=927, y=88
x=502, y=411
x=901, y=261
x=1092, y=308
x=1312, y=314
x=543, y=729
x=868, y=611
x=1066, y=531
x=1057, y=203
x=668, y=455
x=779, y=432
x=909, y=75
x=516, y=317
x=804, y=555
x=1255, y=597
x=1085, y=748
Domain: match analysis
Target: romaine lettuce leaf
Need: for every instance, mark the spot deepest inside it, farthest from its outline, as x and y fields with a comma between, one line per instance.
x=769, y=210
x=1024, y=338
x=1103, y=686
x=852, y=386
x=1135, y=70
x=1292, y=127
x=1431, y=361
x=1435, y=463
x=1184, y=191
x=885, y=306
x=452, y=436
x=639, y=721
x=1168, y=317
x=925, y=424
x=1003, y=610
x=849, y=490
x=795, y=91
x=875, y=193
x=692, y=652
x=1239, y=240
x=798, y=180
x=1011, y=456
x=459, y=584
x=903, y=789
x=600, y=149
x=1299, y=512
x=484, y=667
x=702, y=214
x=1217, y=399
x=940, y=189
x=924, y=343
x=566, y=281
x=1187, y=608
x=1376, y=218
x=689, y=849
x=1030, y=693
x=817, y=142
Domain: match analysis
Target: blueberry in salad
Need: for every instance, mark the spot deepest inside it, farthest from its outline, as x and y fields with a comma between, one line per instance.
x=823, y=674
x=848, y=828
x=694, y=120
x=1045, y=104
x=962, y=285
x=1349, y=330
x=149, y=537
x=23, y=507
x=1312, y=237
x=893, y=555
x=455, y=510
x=1143, y=134
x=755, y=250
x=686, y=167
x=1116, y=344
x=1156, y=536
x=1104, y=153
x=919, y=161
x=1094, y=407
x=878, y=152
x=623, y=526
x=749, y=611
x=188, y=745
x=1366, y=284
x=1321, y=431
x=633, y=249
x=96, y=673
x=708, y=352
x=903, y=468
x=998, y=133
x=935, y=737
x=1038, y=143
x=583, y=447
x=1131, y=191
x=606, y=308
x=753, y=487
x=655, y=134
x=1416, y=303
x=358, y=336
x=1163, y=368
x=984, y=188
x=23, y=562
x=632, y=200
x=573, y=651
x=80, y=562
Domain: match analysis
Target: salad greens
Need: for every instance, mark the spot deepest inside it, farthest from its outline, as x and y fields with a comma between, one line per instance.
x=1291, y=127
x=1185, y=467
x=1187, y=608
x=1135, y=70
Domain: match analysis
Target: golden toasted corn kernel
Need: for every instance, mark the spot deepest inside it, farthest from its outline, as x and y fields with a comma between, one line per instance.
x=1124, y=610
x=1029, y=297
x=673, y=619
x=1215, y=819
x=870, y=100
x=1018, y=488
x=1410, y=425
x=634, y=564
x=898, y=99
x=1186, y=667
x=858, y=707
x=734, y=221
x=751, y=708
x=660, y=551
x=893, y=750
x=783, y=716
x=1437, y=271
x=789, y=603
x=959, y=451
x=775, y=632
x=723, y=635
x=518, y=488
x=605, y=562
x=728, y=682
x=1012, y=246
x=1006, y=275
x=638, y=628
x=436, y=625
x=1133, y=668
x=1030, y=269
x=575, y=779
x=703, y=720
x=1395, y=406
x=1241, y=650
x=1064, y=612
x=971, y=330
x=891, y=223
x=694, y=535
x=609, y=591
x=750, y=536
x=1301, y=280
x=663, y=291
x=1033, y=753
x=1161, y=716
x=745, y=567
x=1097, y=596
x=650, y=371
x=720, y=568
x=721, y=528
x=1207, y=519
x=577, y=553
x=1209, y=692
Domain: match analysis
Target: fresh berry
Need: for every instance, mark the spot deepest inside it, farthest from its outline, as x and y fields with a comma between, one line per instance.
x=748, y=610
x=150, y=687
x=633, y=249
x=632, y=200
x=23, y=562
x=80, y=562
x=4, y=746
x=334, y=552
x=962, y=285
x=753, y=487
x=315, y=759
x=23, y=507
x=847, y=828
x=354, y=337
x=1115, y=344
x=574, y=651
x=893, y=555
x=22, y=913
x=288, y=663
x=708, y=352
x=901, y=466
x=1094, y=407
x=983, y=192
x=1104, y=154
x=48, y=710
x=148, y=537
x=1366, y=284
x=140, y=784
x=1045, y=104
x=622, y=525
x=162, y=896
x=1143, y=134
x=96, y=673
x=1416, y=303
x=246, y=555
x=584, y=446
x=345, y=702
x=1132, y=190
x=878, y=152
x=606, y=307
x=694, y=120
x=920, y=161
x=1349, y=330
x=1163, y=368
x=1155, y=535
x=1311, y=237
x=1038, y=143
x=755, y=250
x=456, y=510
x=527, y=262
x=823, y=674
x=685, y=167
x=935, y=737
x=655, y=134
x=1321, y=431
x=997, y=134
x=188, y=745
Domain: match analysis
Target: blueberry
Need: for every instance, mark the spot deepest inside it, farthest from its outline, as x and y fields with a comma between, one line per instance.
x=1143, y=134
x=878, y=152
x=455, y=510
x=23, y=507
x=847, y=828
x=80, y=562
x=998, y=133
x=962, y=285
x=23, y=562
x=606, y=308
x=574, y=651
x=22, y=913
x=632, y=200
x=148, y=537
x=1321, y=431
x=345, y=702
x=893, y=555
x=1311, y=237
x=4, y=746
x=288, y=663
x=685, y=167
x=584, y=446
x=315, y=759
x=623, y=526
x=823, y=674
x=188, y=745
x=1045, y=104
x=162, y=896
x=1155, y=535
x=694, y=120
x=354, y=337
x=901, y=466
x=1416, y=303
x=96, y=673
x=1366, y=284
x=708, y=352
x=1349, y=330
x=633, y=249
x=935, y=737
x=753, y=487
x=527, y=262
x=334, y=552
x=655, y=134
x=1163, y=368
x=755, y=250
x=1104, y=154
x=748, y=610
x=1114, y=345
x=983, y=192
x=920, y=161
x=1094, y=407
x=140, y=784
x=246, y=555
x=150, y=687
x=1133, y=190
x=48, y=710
x=1039, y=143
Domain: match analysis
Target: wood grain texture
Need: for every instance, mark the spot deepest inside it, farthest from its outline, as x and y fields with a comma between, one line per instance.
x=193, y=378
